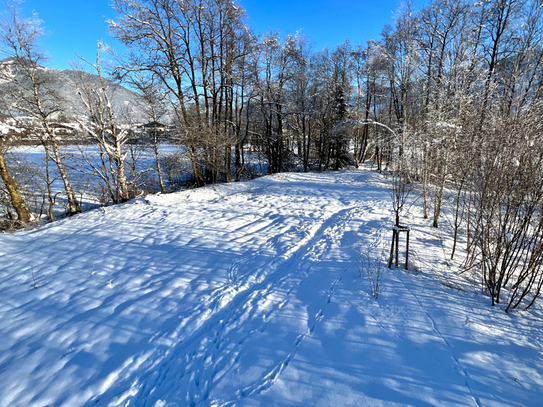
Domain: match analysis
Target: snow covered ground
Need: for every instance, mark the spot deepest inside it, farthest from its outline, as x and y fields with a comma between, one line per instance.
x=249, y=294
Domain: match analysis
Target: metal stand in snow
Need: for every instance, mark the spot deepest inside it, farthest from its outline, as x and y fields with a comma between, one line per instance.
x=396, y=230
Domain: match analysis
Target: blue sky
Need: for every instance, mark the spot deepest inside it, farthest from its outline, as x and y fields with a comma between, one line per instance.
x=76, y=26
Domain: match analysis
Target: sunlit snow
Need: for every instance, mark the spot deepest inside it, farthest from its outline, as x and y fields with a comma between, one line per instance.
x=249, y=294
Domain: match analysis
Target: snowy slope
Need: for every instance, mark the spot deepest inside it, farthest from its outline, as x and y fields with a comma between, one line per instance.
x=64, y=86
x=249, y=294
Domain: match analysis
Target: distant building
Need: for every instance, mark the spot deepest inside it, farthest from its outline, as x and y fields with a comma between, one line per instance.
x=152, y=127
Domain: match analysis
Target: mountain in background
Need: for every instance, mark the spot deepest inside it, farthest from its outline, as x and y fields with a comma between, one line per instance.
x=61, y=89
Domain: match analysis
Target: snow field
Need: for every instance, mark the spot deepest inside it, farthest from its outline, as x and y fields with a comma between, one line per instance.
x=249, y=294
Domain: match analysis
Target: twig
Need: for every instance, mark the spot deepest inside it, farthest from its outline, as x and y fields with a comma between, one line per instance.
x=33, y=278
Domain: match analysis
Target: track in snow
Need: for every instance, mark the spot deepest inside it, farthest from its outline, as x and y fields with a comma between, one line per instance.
x=195, y=362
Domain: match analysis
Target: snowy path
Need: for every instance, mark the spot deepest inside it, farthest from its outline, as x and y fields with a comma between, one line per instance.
x=249, y=295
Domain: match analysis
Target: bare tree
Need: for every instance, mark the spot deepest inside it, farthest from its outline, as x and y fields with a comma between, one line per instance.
x=155, y=108
x=103, y=125
x=29, y=91
x=192, y=48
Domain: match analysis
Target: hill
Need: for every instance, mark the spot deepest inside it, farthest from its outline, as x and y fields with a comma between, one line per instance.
x=252, y=294
x=62, y=84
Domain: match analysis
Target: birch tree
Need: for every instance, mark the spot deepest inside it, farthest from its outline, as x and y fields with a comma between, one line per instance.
x=103, y=125
x=29, y=90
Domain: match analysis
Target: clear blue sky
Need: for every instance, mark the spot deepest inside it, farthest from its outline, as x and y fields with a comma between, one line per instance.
x=76, y=26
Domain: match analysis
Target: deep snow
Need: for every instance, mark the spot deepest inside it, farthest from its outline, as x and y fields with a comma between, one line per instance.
x=249, y=294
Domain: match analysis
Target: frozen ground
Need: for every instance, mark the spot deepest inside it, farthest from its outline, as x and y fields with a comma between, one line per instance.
x=249, y=294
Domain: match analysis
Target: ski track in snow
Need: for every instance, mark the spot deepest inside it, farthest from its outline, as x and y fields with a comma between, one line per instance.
x=440, y=335
x=248, y=294
x=200, y=352
x=195, y=358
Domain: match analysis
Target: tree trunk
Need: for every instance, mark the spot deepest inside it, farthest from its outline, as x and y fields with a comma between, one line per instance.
x=159, y=169
x=439, y=196
x=121, y=177
x=73, y=204
x=50, y=213
x=17, y=201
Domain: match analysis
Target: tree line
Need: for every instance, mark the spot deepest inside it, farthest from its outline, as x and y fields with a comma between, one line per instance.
x=449, y=99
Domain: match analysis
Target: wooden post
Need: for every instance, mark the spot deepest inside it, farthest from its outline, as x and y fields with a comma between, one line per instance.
x=397, y=244
x=407, y=251
x=392, y=248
